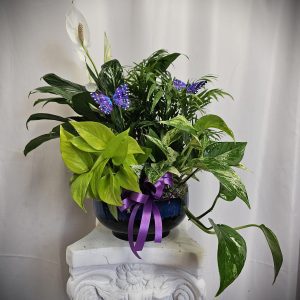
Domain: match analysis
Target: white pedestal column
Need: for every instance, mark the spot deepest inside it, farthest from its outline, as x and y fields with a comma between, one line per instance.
x=103, y=267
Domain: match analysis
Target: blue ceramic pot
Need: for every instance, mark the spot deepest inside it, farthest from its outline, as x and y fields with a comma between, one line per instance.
x=171, y=211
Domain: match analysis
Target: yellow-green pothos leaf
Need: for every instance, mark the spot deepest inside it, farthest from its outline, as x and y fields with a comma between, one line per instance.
x=109, y=190
x=95, y=134
x=82, y=145
x=75, y=160
x=232, y=252
x=134, y=147
x=97, y=175
x=79, y=188
x=128, y=179
x=113, y=210
x=117, y=149
x=212, y=121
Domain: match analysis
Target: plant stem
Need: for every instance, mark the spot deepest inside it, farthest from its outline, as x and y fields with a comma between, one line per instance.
x=193, y=219
x=89, y=57
x=210, y=209
x=246, y=226
x=189, y=176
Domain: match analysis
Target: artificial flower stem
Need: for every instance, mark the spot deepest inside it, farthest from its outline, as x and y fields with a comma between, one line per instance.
x=210, y=209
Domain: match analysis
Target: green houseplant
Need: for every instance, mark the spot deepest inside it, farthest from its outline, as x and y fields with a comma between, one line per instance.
x=139, y=126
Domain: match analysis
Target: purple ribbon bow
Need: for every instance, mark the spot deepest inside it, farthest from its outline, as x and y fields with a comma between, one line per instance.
x=136, y=200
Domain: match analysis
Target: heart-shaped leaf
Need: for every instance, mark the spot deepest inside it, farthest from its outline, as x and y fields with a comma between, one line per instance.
x=180, y=122
x=228, y=152
x=274, y=247
x=212, y=121
x=95, y=134
x=232, y=252
x=79, y=188
x=76, y=160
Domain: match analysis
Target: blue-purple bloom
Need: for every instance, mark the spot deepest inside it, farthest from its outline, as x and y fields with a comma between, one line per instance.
x=121, y=97
x=192, y=88
x=104, y=102
x=178, y=84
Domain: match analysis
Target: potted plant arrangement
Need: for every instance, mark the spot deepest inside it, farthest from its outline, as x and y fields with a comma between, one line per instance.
x=136, y=137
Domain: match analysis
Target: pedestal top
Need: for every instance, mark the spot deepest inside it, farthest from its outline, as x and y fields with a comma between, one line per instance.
x=100, y=247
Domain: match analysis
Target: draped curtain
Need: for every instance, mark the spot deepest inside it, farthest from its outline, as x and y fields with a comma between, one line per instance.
x=252, y=46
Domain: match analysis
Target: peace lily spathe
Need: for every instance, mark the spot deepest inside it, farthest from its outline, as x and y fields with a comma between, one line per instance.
x=77, y=27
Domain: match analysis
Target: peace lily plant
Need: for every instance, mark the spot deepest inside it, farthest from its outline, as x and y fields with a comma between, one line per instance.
x=138, y=124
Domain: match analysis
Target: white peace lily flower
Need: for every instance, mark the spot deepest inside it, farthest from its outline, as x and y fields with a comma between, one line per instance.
x=77, y=27
x=91, y=87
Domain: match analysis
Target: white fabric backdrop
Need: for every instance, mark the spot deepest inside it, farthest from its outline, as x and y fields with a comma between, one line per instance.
x=253, y=46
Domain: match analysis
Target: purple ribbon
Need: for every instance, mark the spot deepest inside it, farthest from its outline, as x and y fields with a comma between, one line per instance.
x=136, y=200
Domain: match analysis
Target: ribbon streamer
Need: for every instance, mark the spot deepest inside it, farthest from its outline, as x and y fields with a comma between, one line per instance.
x=135, y=201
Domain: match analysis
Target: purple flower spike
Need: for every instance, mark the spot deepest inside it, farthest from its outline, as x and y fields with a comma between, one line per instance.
x=105, y=104
x=121, y=97
x=178, y=84
x=194, y=87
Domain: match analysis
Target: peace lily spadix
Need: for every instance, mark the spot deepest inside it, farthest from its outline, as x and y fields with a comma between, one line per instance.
x=77, y=27
x=138, y=126
x=78, y=31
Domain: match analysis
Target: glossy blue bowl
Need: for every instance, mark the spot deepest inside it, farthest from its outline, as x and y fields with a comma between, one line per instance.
x=171, y=211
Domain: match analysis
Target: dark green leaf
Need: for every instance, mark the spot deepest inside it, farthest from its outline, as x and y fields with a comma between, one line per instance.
x=59, y=82
x=142, y=158
x=42, y=116
x=51, y=100
x=228, y=152
x=227, y=177
x=212, y=121
x=232, y=252
x=53, y=90
x=156, y=98
x=81, y=105
x=225, y=194
x=274, y=247
x=151, y=90
x=34, y=143
x=110, y=76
